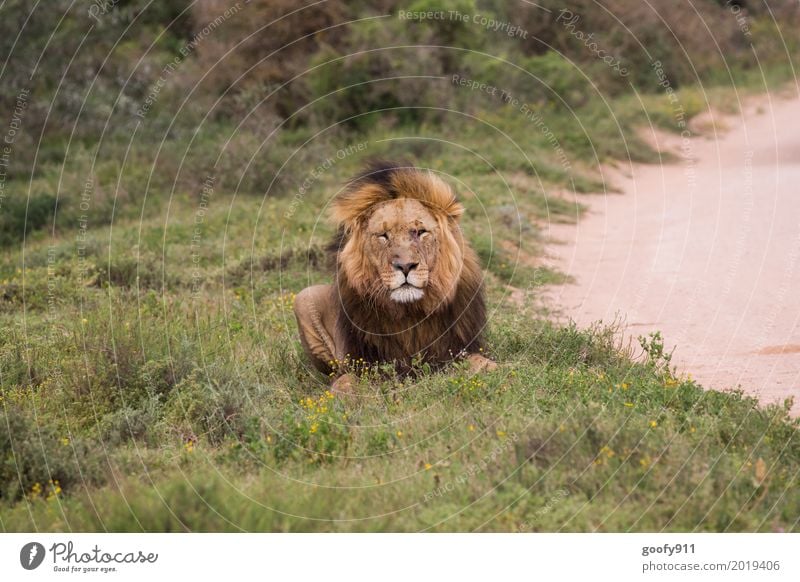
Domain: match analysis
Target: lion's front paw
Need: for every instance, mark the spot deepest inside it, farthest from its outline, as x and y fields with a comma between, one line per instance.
x=479, y=363
x=343, y=385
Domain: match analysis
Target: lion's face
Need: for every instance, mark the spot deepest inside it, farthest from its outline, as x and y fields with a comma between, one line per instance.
x=402, y=246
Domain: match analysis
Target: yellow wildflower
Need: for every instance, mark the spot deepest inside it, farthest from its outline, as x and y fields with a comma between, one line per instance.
x=607, y=451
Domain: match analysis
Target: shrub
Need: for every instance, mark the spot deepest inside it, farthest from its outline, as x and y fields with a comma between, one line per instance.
x=265, y=44
x=19, y=218
x=37, y=462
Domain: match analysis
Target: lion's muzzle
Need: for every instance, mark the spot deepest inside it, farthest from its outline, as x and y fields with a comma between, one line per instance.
x=407, y=282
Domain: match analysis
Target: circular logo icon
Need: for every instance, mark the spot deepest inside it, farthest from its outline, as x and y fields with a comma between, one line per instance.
x=31, y=555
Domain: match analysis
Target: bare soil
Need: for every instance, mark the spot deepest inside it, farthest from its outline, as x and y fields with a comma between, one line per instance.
x=704, y=248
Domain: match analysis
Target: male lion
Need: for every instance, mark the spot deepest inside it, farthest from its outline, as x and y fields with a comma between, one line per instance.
x=408, y=287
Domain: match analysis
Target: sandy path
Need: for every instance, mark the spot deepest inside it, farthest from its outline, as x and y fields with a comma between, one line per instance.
x=706, y=249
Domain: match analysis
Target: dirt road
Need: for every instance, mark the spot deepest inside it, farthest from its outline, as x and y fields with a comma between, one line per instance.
x=705, y=249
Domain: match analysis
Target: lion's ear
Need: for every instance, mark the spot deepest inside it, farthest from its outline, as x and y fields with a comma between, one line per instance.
x=455, y=210
x=451, y=208
x=352, y=205
x=446, y=199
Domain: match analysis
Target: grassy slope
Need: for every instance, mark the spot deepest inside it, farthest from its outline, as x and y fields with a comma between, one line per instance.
x=156, y=408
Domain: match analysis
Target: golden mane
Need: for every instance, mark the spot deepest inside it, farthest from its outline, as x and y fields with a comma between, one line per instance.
x=384, y=181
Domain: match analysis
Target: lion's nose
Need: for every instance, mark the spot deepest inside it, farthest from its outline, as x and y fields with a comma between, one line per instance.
x=406, y=268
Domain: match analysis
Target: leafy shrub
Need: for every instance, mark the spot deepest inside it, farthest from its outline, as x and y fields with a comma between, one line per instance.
x=263, y=45
x=37, y=462
x=208, y=408
x=19, y=218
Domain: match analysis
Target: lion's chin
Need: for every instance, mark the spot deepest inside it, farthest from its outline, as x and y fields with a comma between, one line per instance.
x=406, y=294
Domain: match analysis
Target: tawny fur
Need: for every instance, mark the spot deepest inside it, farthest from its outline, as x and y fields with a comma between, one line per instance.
x=448, y=321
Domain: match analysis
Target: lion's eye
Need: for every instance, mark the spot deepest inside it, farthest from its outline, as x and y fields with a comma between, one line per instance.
x=383, y=237
x=420, y=232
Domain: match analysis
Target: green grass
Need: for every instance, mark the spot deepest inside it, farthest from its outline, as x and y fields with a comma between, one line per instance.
x=152, y=379
x=189, y=406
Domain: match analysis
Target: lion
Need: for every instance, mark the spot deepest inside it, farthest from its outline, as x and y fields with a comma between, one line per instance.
x=409, y=289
